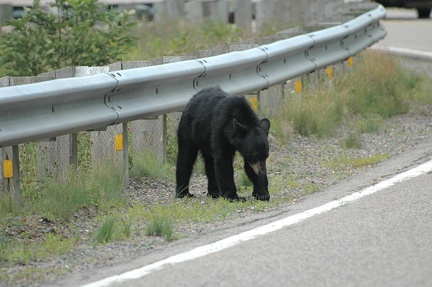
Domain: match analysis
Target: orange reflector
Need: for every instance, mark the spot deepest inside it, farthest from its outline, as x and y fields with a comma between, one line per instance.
x=119, y=142
x=329, y=72
x=298, y=87
x=7, y=168
x=350, y=61
x=254, y=103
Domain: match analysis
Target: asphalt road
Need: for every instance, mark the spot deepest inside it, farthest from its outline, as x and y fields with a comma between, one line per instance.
x=382, y=239
x=404, y=30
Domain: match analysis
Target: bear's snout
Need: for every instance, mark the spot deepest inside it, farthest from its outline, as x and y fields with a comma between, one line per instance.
x=259, y=168
x=256, y=167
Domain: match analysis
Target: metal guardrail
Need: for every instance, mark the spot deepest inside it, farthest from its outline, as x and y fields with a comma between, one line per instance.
x=53, y=108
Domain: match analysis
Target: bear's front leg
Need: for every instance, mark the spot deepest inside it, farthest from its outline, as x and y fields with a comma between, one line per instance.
x=258, y=177
x=224, y=172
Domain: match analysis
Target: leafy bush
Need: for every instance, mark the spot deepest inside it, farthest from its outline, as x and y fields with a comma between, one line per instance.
x=78, y=33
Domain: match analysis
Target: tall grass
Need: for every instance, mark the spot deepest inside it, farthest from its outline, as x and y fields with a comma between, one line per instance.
x=146, y=164
x=376, y=88
x=106, y=230
x=58, y=198
x=160, y=226
x=177, y=37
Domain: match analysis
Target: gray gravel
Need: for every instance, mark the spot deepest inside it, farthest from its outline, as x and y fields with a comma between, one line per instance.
x=301, y=159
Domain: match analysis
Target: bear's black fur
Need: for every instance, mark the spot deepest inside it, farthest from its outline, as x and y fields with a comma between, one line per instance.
x=218, y=125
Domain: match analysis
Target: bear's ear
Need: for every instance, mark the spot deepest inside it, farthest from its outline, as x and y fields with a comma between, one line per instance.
x=240, y=129
x=265, y=124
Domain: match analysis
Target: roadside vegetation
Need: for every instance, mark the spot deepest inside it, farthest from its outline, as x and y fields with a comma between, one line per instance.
x=360, y=100
x=81, y=33
x=45, y=225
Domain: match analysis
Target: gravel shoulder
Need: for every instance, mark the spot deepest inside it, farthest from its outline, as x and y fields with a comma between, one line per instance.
x=302, y=159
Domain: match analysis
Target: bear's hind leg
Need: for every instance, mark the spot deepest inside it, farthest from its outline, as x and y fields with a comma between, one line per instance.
x=212, y=188
x=186, y=158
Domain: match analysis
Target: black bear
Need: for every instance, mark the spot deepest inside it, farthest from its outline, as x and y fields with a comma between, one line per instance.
x=218, y=125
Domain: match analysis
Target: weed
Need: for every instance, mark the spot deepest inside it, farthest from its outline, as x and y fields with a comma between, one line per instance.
x=344, y=162
x=352, y=141
x=368, y=161
x=126, y=228
x=106, y=230
x=182, y=37
x=148, y=165
x=7, y=205
x=245, y=182
x=25, y=251
x=160, y=225
x=106, y=186
x=373, y=91
x=61, y=198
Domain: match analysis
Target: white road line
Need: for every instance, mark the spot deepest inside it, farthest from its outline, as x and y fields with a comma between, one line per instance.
x=251, y=234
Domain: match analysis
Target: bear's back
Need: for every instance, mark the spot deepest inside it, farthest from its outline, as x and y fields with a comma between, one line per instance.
x=237, y=108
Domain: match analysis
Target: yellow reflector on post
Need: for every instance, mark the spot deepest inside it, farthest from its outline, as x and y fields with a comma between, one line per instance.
x=7, y=168
x=254, y=103
x=329, y=72
x=298, y=86
x=350, y=61
x=119, y=142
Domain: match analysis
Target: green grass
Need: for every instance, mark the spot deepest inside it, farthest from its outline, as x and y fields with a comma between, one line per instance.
x=160, y=225
x=57, y=200
x=178, y=37
x=374, y=90
x=345, y=162
x=25, y=251
x=105, y=232
x=148, y=165
x=352, y=141
x=60, y=199
x=114, y=227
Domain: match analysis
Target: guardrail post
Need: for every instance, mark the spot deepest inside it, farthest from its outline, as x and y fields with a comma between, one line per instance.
x=164, y=137
x=243, y=14
x=73, y=151
x=10, y=172
x=271, y=99
x=125, y=154
x=3, y=179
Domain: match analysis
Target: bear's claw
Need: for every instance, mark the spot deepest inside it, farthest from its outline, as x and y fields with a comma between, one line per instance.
x=261, y=196
x=182, y=195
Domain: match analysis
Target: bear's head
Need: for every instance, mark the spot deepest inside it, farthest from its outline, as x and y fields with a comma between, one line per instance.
x=252, y=143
